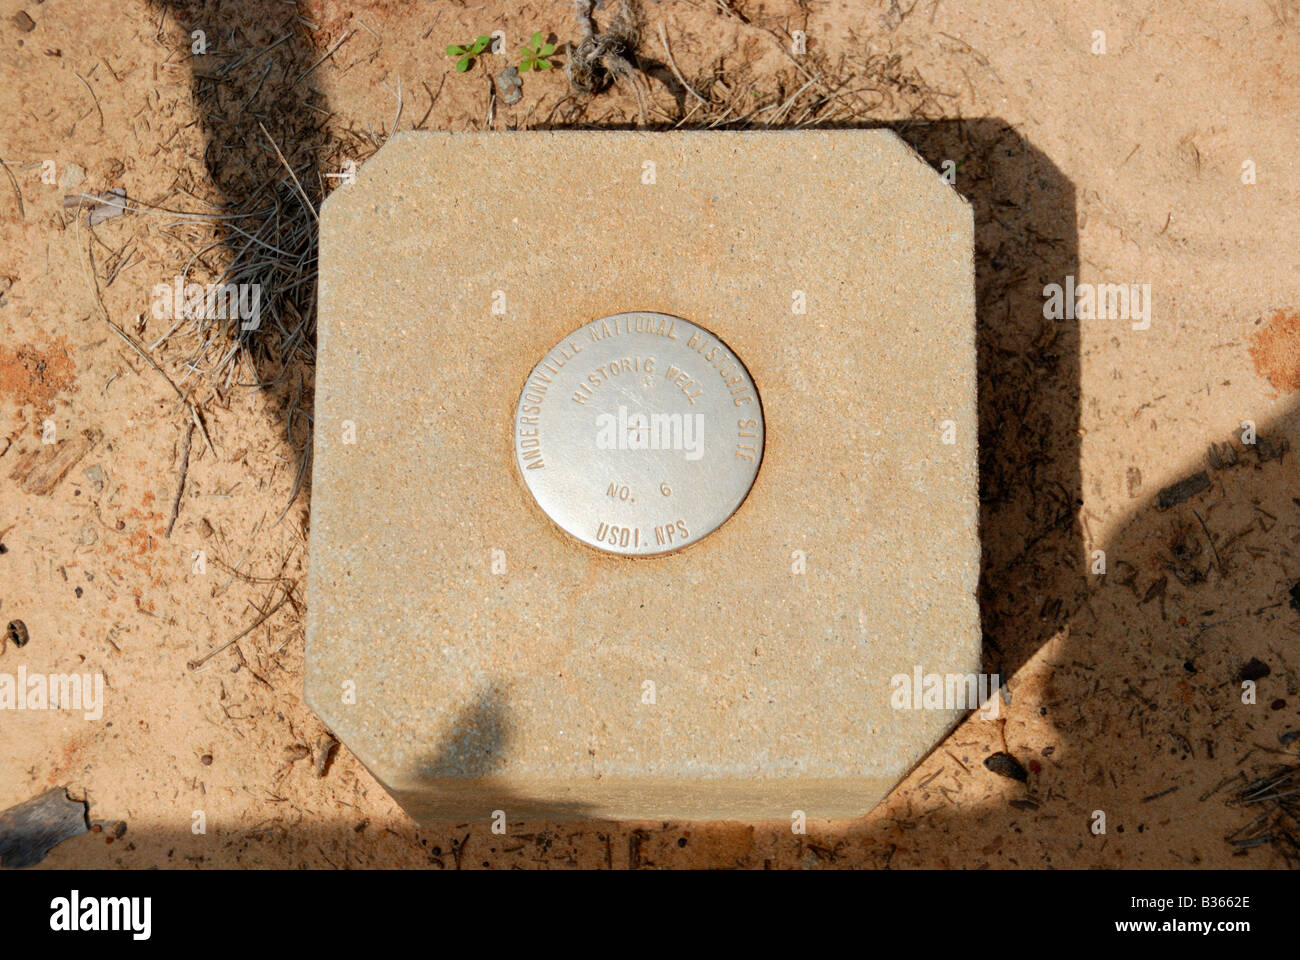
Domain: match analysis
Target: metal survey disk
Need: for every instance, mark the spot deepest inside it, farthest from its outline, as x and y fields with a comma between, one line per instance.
x=639, y=433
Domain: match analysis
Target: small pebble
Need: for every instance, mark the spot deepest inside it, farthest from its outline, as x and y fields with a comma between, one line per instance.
x=1005, y=765
x=1253, y=669
x=16, y=633
x=72, y=176
x=509, y=84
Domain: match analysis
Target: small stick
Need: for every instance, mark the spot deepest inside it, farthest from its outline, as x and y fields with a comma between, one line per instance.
x=194, y=413
x=148, y=359
x=1156, y=796
x=198, y=422
x=301, y=192
x=399, y=104
x=180, y=487
x=94, y=98
x=432, y=99
x=1209, y=536
x=22, y=214
x=663, y=38
x=195, y=664
x=325, y=56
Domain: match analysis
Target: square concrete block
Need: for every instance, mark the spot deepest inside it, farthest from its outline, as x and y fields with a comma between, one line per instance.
x=477, y=657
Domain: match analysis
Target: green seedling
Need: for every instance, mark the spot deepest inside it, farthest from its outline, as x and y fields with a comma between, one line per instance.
x=467, y=54
x=535, y=54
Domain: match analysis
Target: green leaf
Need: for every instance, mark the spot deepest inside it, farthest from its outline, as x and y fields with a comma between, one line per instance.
x=543, y=65
x=524, y=66
x=455, y=51
x=462, y=64
x=547, y=49
x=537, y=39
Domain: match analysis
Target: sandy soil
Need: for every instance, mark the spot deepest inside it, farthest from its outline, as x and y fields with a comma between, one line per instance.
x=1120, y=167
